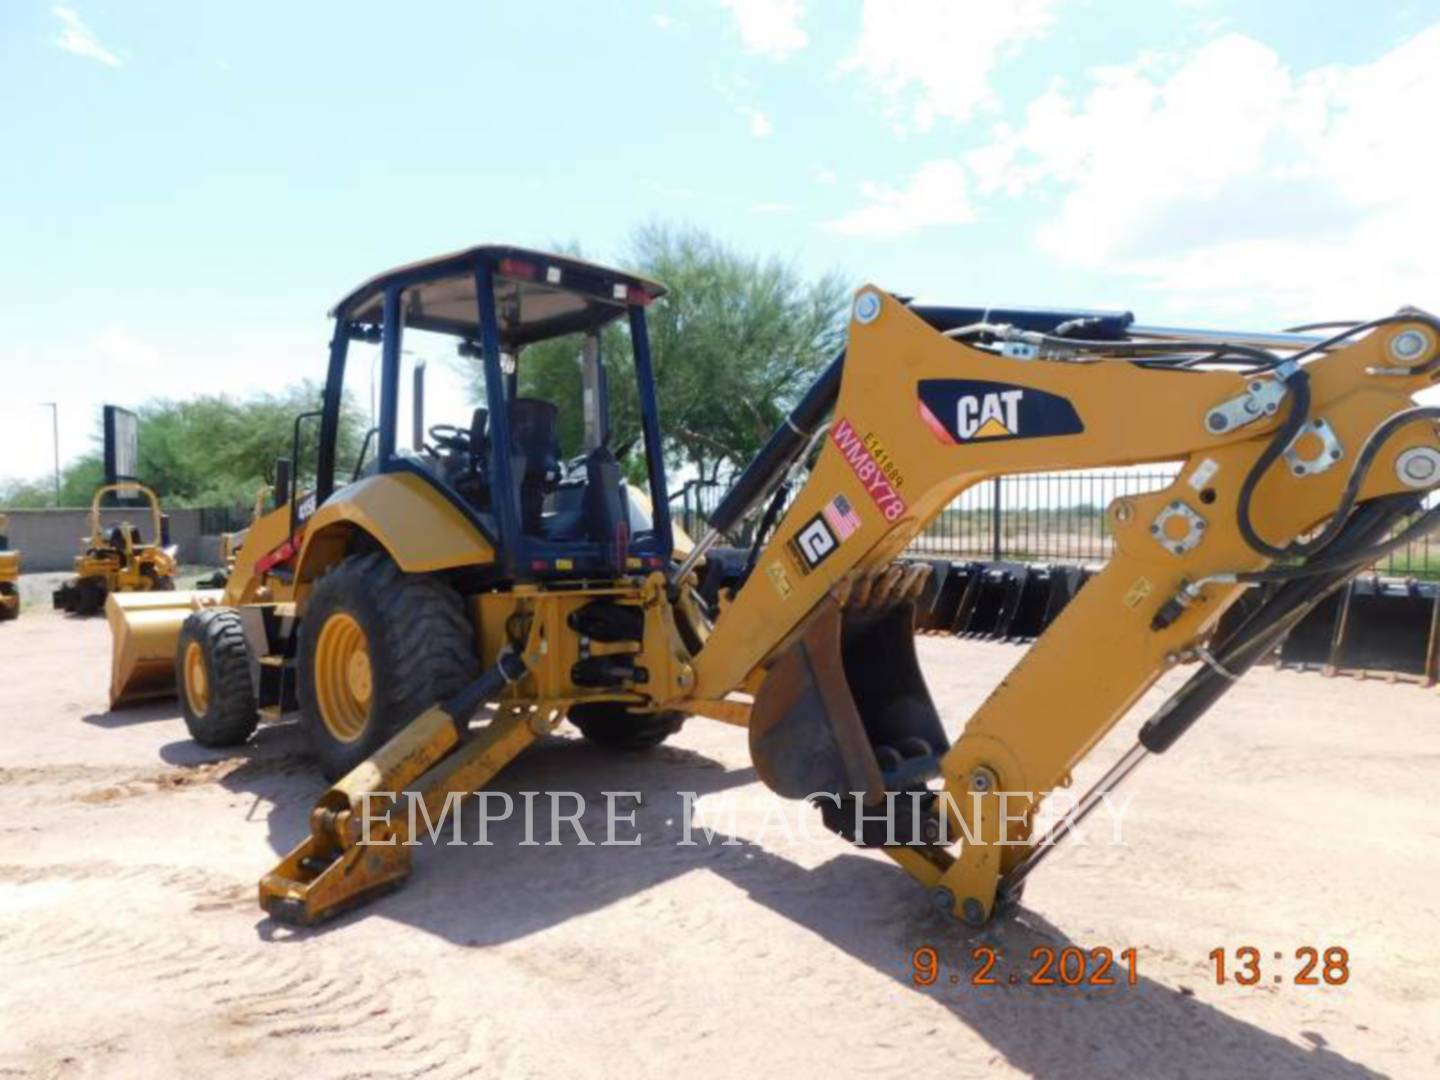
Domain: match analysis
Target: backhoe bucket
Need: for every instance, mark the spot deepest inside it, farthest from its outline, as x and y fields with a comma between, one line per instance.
x=144, y=628
x=844, y=713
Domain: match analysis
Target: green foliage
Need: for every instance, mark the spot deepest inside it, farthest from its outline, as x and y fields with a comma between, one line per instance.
x=733, y=344
x=213, y=450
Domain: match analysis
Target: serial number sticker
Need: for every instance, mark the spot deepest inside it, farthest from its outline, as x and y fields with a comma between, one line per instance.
x=1204, y=473
x=1045, y=966
x=879, y=483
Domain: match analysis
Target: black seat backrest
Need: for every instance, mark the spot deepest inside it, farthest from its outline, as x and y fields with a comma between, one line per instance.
x=536, y=442
x=604, y=511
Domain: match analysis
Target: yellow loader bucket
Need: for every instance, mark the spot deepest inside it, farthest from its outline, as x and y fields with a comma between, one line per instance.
x=144, y=627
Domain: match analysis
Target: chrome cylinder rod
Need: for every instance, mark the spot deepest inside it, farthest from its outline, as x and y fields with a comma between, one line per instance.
x=1254, y=338
x=1078, y=813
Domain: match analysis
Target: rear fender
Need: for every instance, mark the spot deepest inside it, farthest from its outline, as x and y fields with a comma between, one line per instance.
x=407, y=516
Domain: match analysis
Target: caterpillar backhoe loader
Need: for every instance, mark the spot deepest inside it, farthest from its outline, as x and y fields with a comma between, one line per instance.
x=9, y=574
x=119, y=560
x=147, y=658
x=484, y=571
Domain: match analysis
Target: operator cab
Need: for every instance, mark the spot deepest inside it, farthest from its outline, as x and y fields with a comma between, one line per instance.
x=548, y=513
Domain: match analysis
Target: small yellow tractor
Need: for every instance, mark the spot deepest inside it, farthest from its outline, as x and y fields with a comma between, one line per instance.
x=9, y=574
x=119, y=560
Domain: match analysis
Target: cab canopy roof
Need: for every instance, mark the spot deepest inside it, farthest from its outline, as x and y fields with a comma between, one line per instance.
x=537, y=295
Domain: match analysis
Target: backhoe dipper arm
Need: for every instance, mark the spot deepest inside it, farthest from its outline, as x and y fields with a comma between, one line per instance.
x=919, y=418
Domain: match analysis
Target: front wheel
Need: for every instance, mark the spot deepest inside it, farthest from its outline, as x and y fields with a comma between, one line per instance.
x=377, y=647
x=212, y=672
x=610, y=724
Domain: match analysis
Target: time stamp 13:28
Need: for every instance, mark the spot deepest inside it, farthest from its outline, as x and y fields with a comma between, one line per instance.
x=1101, y=966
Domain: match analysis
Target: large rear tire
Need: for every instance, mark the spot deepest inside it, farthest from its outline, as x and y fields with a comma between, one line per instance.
x=610, y=724
x=377, y=647
x=212, y=674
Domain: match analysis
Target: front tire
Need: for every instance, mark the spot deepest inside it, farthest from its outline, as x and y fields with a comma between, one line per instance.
x=377, y=647
x=610, y=724
x=212, y=673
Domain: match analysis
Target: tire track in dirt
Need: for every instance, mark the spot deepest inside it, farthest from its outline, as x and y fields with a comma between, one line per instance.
x=101, y=785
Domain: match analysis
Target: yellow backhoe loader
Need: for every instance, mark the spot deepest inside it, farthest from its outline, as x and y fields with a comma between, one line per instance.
x=119, y=560
x=481, y=573
x=146, y=629
x=9, y=574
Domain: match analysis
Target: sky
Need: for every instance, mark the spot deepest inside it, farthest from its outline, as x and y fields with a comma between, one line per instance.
x=186, y=188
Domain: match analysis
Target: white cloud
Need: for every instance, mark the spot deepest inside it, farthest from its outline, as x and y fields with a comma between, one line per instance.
x=938, y=194
x=662, y=20
x=75, y=37
x=1222, y=179
x=932, y=59
x=769, y=27
x=826, y=177
x=760, y=125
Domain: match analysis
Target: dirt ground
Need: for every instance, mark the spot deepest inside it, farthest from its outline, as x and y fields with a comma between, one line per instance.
x=1301, y=813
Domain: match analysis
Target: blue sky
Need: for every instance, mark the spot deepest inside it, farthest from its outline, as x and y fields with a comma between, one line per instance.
x=187, y=187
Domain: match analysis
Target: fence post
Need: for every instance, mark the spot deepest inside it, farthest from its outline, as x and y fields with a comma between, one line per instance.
x=995, y=519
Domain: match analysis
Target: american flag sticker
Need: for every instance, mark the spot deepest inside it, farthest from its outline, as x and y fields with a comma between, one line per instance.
x=841, y=516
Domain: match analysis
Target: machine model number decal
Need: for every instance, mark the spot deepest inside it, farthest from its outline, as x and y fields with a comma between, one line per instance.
x=973, y=410
x=879, y=482
x=813, y=544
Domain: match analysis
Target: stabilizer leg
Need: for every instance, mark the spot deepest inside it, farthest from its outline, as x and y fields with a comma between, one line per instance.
x=360, y=835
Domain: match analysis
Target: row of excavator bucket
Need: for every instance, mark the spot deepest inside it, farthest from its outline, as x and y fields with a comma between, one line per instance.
x=1374, y=626
x=997, y=601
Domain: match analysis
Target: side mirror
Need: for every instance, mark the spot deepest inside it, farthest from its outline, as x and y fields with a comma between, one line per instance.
x=281, y=486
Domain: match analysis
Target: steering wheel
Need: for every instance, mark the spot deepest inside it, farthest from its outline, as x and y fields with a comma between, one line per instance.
x=450, y=437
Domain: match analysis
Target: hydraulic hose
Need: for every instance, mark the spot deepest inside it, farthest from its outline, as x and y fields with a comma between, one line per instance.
x=1299, y=383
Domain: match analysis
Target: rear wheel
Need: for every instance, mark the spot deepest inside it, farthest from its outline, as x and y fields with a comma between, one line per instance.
x=9, y=601
x=610, y=724
x=377, y=647
x=212, y=670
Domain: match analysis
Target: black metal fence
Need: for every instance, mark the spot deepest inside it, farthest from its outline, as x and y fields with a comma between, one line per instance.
x=215, y=520
x=1039, y=517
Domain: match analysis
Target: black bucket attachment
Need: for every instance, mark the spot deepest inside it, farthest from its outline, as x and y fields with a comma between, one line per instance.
x=845, y=712
x=1388, y=628
x=1311, y=645
x=1044, y=592
x=994, y=602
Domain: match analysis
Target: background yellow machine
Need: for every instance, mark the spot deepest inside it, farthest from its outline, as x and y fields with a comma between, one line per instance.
x=9, y=574
x=147, y=661
x=119, y=559
x=480, y=567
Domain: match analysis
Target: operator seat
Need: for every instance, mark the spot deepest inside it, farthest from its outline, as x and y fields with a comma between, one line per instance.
x=605, y=512
x=469, y=473
x=535, y=443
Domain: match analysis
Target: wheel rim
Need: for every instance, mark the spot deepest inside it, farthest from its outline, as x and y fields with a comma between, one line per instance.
x=344, y=682
x=197, y=680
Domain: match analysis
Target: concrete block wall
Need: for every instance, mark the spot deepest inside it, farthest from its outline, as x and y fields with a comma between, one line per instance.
x=50, y=539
